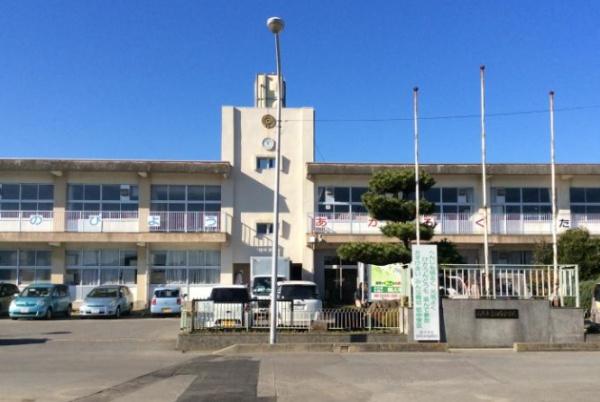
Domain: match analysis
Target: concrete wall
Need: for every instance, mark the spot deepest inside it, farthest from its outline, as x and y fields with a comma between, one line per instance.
x=251, y=190
x=537, y=322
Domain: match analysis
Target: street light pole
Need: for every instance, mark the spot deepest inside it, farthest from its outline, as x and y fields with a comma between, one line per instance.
x=276, y=25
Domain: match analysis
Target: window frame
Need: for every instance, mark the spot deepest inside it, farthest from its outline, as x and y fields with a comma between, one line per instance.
x=123, y=271
x=19, y=268
x=42, y=205
x=519, y=207
x=340, y=208
x=270, y=165
x=451, y=209
x=585, y=204
x=205, y=266
x=173, y=205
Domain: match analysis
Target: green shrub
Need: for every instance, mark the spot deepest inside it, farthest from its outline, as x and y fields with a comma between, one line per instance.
x=585, y=293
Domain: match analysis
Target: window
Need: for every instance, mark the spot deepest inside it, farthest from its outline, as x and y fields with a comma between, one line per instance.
x=101, y=267
x=585, y=202
x=265, y=163
x=26, y=197
x=450, y=201
x=23, y=267
x=182, y=267
x=530, y=203
x=111, y=200
x=264, y=228
x=341, y=200
x=182, y=198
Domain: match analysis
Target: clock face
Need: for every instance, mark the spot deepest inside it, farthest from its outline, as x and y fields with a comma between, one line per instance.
x=268, y=144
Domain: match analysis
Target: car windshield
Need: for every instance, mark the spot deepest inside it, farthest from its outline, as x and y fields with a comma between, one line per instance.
x=295, y=292
x=103, y=292
x=166, y=293
x=229, y=295
x=262, y=285
x=36, y=292
x=597, y=293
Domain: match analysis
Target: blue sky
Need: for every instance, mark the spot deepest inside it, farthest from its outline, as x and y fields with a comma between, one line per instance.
x=146, y=79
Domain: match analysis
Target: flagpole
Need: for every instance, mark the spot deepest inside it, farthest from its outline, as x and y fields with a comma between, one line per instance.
x=484, y=185
x=554, y=220
x=417, y=193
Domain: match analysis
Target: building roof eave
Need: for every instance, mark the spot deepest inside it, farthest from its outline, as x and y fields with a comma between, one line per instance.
x=366, y=169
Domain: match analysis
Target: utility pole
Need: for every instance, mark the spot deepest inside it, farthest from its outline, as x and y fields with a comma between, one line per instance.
x=417, y=193
x=484, y=185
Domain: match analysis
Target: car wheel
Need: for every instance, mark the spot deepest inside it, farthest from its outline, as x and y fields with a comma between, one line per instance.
x=130, y=308
x=118, y=312
x=69, y=311
x=48, y=315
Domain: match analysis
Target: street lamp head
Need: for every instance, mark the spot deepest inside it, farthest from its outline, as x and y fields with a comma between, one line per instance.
x=275, y=25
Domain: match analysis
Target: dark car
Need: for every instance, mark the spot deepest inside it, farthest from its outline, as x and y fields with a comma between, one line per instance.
x=8, y=292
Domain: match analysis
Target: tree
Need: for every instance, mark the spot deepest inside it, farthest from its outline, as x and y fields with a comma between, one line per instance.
x=390, y=198
x=448, y=253
x=575, y=246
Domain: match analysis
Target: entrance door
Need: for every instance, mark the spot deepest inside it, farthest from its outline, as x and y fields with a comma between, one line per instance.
x=340, y=285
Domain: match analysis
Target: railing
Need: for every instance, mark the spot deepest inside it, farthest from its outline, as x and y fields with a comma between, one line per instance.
x=207, y=315
x=26, y=221
x=361, y=223
x=186, y=221
x=521, y=223
x=452, y=223
x=509, y=282
x=591, y=222
x=102, y=221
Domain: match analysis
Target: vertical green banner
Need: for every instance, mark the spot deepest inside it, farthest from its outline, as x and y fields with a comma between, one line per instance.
x=426, y=311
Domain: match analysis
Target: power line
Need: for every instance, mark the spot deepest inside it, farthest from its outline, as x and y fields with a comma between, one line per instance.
x=449, y=117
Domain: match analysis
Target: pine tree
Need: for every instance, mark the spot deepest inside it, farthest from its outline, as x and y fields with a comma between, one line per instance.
x=390, y=198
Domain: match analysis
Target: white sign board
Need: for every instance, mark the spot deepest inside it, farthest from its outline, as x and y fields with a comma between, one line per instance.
x=154, y=221
x=426, y=309
x=211, y=222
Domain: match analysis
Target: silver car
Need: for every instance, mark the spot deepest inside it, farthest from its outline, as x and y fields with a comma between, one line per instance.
x=107, y=300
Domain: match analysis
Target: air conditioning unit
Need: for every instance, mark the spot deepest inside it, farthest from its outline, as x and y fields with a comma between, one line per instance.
x=125, y=192
x=463, y=197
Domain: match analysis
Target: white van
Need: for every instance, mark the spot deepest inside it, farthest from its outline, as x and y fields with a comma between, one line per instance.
x=298, y=303
x=225, y=307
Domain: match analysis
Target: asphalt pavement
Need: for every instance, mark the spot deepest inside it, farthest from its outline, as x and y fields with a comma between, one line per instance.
x=134, y=360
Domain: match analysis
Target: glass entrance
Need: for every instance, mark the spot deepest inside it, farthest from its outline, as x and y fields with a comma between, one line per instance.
x=340, y=285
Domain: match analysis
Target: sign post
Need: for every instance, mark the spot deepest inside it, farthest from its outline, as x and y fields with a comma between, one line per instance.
x=426, y=309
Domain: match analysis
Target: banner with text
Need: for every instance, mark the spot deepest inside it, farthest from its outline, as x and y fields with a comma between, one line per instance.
x=426, y=310
x=388, y=282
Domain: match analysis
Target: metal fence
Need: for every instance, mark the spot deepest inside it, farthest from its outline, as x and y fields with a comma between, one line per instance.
x=509, y=281
x=361, y=223
x=102, y=221
x=26, y=221
x=160, y=221
x=537, y=223
x=202, y=315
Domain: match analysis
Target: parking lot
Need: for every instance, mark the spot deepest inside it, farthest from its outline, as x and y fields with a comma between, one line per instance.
x=61, y=359
x=133, y=359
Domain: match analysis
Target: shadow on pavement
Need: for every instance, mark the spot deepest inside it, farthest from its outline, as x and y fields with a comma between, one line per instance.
x=217, y=379
x=22, y=341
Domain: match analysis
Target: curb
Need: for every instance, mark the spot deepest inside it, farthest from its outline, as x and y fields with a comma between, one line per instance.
x=246, y=348
x=556, y=347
